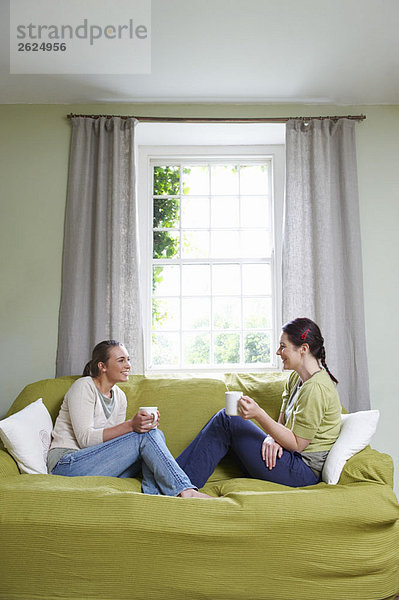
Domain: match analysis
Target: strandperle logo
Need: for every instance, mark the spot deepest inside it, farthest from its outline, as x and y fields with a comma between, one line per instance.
x=74, y=37
x=84, y=31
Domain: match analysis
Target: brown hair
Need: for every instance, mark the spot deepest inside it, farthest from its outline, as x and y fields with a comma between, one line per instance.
x=100, y=354
x=305, y=331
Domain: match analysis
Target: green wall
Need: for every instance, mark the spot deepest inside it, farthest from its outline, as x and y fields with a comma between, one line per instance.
x=34, y=148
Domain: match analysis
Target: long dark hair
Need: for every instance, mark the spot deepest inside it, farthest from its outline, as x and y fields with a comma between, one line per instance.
x=100, y=354
x=305, y=331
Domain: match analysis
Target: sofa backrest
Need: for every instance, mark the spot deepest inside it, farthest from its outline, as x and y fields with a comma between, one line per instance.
x=51, y=390
x=186, y=403
x=265, y=388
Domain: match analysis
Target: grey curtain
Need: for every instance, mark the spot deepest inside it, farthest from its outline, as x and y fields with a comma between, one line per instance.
x=100, y=285
x=322, y=263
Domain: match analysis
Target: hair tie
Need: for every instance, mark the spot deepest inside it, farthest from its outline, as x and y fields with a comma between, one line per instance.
x=305, y=334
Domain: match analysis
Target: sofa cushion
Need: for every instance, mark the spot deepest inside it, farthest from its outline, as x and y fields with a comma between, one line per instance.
x=357, y=429
x=265, y=388
x=26, y=435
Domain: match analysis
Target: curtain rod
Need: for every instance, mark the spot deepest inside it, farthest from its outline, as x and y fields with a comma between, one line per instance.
x=219, y=119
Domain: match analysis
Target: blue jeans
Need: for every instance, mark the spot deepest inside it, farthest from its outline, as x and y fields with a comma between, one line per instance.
x=127, y=456
x=245, y=439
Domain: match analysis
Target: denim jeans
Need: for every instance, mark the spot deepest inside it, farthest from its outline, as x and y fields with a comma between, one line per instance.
x=127, y=456
x=245, y=439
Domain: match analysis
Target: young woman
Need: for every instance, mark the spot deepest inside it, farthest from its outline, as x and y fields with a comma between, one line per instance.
x=91, y=435
x=294, y=451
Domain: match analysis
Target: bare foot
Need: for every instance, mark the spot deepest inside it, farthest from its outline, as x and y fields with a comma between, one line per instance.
x=190, y=493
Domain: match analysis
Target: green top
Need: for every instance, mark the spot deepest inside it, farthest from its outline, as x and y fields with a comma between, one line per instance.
x=316, y=414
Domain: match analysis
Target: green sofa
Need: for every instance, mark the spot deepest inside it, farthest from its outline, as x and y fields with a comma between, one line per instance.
x=101, y=538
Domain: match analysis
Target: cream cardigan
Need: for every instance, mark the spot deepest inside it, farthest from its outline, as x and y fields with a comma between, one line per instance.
x=81, y=419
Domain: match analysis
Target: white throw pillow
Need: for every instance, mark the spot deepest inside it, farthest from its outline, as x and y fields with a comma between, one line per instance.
x=27, y=437
x=357, y=429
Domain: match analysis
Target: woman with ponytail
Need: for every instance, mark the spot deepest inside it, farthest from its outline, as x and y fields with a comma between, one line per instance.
x=296, y=446
x=91, y=435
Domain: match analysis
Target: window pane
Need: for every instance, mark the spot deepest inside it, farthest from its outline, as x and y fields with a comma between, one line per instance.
x=225, y=244
x=226, y=280
x=255, y=211
x=196, y=280
x=166, y=280
x=227, y=313
x=257, y=313
x=224, y=180
x=257, y=348
x=165, y=244
x=166, y=181
x=165, y=349
x=196, y=180
x=196, y=313
x=195, y=244
x=227, y=348
x=212, y=263
x=254, y=179
x=194, y=212
x=165, y=313
x=196, y=348
x=166, y=212
x=256, y=280
x=225, y=211
x=255, y=243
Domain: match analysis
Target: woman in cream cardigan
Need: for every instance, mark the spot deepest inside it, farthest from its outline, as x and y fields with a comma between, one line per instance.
x=91, y=435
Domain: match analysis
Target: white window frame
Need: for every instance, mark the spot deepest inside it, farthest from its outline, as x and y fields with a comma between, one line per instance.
x=146, y=154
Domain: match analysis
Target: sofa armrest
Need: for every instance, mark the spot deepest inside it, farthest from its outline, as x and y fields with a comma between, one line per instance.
x=370, y=466
x=8, y=466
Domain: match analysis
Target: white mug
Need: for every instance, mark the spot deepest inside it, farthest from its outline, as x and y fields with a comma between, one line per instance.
x=232, y=399
x=151, y=410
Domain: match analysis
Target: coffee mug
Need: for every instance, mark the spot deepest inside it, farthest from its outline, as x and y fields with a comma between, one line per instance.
x=151, y=410
x=232, y=399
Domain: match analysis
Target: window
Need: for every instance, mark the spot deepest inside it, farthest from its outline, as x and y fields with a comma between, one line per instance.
x=211, y=252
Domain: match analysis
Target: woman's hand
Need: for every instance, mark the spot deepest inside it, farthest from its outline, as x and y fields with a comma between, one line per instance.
x=142, y=422
x=270, y=451
x=248, y=408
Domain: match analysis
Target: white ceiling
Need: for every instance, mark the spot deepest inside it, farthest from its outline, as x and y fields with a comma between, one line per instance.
x=266, y=51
